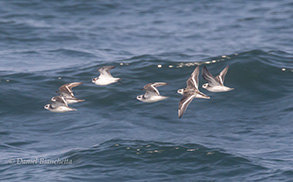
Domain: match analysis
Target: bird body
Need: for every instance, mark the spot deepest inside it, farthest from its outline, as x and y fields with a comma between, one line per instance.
x=58, y=109
x=58, y=104
x=151, y=93
x=105, y=77
x=215, y=84
x=190, y=92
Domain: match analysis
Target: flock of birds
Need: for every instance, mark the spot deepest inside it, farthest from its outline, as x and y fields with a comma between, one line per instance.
x=215, y=84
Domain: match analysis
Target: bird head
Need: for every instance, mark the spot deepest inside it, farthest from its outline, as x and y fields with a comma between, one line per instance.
x=47, y=106
x=205, y=85
x=180, y=91
x=139, y=97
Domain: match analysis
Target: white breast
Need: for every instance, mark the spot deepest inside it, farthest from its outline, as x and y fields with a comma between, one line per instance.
x=106, y=81
x=219, y=89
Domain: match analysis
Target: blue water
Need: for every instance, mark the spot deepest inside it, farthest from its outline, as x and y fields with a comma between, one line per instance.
x=242, y=135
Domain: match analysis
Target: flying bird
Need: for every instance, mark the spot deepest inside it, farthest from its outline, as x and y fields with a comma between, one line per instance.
x=58, y=104
x=105, y=77
x=215, y=84
x=190, y=92
x=151, y=93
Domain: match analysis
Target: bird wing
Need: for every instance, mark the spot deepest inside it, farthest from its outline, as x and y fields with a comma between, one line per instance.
x=209, y=77
x=221, y=76
x=151, y=90
x=104, y=71
x=192, y=81
x=184, y=102
x=58, y=101
x=66, y=89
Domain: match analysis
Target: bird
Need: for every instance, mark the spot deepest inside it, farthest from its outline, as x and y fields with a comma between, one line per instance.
x=151, y=93
x=58, y=104
x=215, y=84
x=66, y=92
x=190, y=92
x=105, y=77
x=59, y=109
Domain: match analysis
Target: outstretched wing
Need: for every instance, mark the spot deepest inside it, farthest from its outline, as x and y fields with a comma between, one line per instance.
x=58, y=101
x=104, y=71
x=184, y=103
x=209, y=77
x=66, y=89
x=221, y=76
x=192, y=81
x=151, y=90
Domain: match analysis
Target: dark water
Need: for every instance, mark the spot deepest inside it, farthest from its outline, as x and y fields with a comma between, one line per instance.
x=242, y=135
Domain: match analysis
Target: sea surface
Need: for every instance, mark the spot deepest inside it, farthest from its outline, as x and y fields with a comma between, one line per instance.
x=242, y=135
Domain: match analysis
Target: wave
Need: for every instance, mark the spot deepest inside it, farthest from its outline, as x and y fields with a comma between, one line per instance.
x=263, y=91
x=72, y=52
x=258, y=77
x=168, y=159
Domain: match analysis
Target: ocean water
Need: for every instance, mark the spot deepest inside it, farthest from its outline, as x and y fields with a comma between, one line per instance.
x=242, y=135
